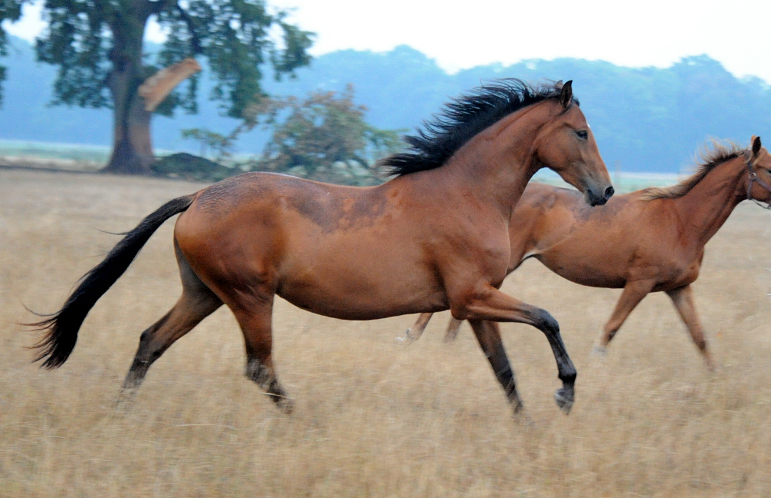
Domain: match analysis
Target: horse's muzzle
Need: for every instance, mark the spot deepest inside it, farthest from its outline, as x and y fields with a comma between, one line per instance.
x=599, y=200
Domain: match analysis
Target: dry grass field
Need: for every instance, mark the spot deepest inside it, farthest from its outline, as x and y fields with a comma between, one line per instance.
x=373, y=417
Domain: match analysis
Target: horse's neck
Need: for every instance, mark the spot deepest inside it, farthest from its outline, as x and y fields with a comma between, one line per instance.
x=707, y=206
x=496, y=165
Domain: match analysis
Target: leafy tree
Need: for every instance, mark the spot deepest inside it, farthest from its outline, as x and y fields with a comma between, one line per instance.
x=98, y=46
x=220, y=144
x=325, y=131
x=10, y=10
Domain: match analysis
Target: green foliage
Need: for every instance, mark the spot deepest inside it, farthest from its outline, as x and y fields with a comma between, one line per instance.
x=90, y=39
x=323, y=136
x=221, y=145
x=78, y=41
x=9, y=10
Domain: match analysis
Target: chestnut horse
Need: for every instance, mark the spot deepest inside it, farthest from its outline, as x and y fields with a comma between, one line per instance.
x=652, y=240
x=432, y=238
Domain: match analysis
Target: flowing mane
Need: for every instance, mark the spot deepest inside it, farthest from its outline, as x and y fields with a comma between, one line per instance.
x=462, y=119
x=711, y=155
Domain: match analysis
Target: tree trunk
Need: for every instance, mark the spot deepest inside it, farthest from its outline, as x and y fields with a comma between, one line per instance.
x=132, y=151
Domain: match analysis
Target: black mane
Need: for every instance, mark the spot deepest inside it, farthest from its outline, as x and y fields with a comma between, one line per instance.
x=462, y=119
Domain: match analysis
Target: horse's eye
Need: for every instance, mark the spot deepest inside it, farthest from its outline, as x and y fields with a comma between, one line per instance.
x=582, y=134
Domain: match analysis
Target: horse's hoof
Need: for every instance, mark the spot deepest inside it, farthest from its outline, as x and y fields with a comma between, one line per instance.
x=125, y=400
x=599, y=351
x=564, y=399
x=286, y=405
x=406, y=339
x=522, y=418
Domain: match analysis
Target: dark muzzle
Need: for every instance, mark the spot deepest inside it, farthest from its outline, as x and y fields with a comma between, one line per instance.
x=599, y=200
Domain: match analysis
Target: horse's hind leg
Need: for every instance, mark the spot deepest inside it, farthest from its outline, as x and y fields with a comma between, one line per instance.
x=255, y=322
x=683, y=301
x=633, y=293
x=196, y=303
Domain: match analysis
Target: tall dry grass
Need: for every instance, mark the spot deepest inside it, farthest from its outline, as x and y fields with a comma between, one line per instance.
x=373, y=418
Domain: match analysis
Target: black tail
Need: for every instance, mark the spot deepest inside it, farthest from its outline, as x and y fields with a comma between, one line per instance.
x=61, y=328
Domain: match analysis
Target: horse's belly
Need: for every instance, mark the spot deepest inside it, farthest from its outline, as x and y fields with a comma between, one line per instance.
x=594, y=278
x=362, y=306
x=362, y=291
x=588, y=271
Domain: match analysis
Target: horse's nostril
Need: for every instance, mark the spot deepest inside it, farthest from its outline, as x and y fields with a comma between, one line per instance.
x=609, y=192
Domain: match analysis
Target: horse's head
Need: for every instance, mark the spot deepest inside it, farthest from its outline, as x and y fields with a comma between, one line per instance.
x=759, y=178
x=566, y=145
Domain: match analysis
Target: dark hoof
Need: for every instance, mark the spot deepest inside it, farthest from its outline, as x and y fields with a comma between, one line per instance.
x=564, y=399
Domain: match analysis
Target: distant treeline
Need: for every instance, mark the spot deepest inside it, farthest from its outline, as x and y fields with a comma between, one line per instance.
x=645, y=119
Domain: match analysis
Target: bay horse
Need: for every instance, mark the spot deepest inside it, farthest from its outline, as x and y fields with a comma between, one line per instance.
x=652, y=240
x=433, y=237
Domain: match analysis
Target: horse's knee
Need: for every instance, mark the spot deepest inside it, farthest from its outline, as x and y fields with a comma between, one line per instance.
x=465, y=305
x=544, y=321
x=460, y=311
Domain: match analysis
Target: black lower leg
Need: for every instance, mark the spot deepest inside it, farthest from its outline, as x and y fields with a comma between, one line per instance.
x=489, y=338
x=566, y=371
x=265, y=377
x=506, y=378
x=146, y=354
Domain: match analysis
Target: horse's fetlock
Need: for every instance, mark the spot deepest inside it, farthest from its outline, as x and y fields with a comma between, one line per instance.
x=259, y=373
x=568, y=377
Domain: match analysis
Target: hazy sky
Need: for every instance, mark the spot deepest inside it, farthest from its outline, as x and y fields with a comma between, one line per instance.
x=465, y=34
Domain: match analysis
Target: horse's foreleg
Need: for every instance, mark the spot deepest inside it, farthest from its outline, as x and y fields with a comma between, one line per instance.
x=489, y=303
x=255, y=322
x=489, y=336
x=452, y=330
x=683, y=301
x=191, y=308
x=634, y=292
x=413, y=333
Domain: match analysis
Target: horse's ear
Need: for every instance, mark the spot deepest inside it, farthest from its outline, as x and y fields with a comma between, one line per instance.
x=566, y=94
x=756, y=145
x=558, y=85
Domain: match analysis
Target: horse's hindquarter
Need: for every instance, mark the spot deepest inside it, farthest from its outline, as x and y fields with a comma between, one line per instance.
x=346, y=252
